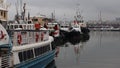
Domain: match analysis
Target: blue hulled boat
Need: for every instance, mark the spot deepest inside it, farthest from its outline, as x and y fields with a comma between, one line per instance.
x=25, y=47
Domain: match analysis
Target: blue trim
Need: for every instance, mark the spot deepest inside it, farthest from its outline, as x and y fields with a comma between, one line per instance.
x=11, y=45
x=4, y=45
x=38, y=62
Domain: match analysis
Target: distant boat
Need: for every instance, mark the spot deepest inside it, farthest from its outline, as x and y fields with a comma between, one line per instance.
x=70, y=29
x=54, y=29
x=64, y=27
x=79, y=21
x=76, y=26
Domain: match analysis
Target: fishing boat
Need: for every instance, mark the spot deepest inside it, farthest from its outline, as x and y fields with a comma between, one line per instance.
x=76, y=27
x=64, y=27
x=79, y=21
x=25, y=47
x=50, y=25
x=54, y=28
x=71, y=29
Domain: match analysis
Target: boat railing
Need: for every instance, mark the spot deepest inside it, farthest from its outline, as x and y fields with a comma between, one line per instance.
x=22, y=37
x=22, y=26
x=22, y=34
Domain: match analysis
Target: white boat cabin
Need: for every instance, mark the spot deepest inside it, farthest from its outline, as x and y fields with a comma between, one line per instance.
x=26, y=44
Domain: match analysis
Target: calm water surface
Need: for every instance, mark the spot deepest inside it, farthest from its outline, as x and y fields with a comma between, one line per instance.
x=102, y=50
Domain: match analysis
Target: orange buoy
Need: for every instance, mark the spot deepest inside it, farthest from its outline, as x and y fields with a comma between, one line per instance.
x=56, y=31
x=42, y=36
x=1, y=34
x=56, y=27
x=37, y=37
x=19, y=39
x=37, y=26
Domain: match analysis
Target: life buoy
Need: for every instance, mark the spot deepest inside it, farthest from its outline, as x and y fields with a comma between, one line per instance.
x=19, y=39
x=37, y=26
x=37, y=37
x=56, y=27
x=42, y=36
x=1, y=35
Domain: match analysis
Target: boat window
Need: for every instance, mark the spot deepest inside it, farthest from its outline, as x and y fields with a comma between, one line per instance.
x=41, y=50
x=15, y=26
x=1, y=13
x=25, y=55
x=20, y=26
x=29, y=22
x=11, y=27
x=34, y=19
x=4, y=14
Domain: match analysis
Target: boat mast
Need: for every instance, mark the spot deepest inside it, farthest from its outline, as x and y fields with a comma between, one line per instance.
x=64, y=19
x=24, y=11
x=20, y=11
x=21, y=7
x=100, y=18
x=53, y=16
x=78, y=16
x=17, y=13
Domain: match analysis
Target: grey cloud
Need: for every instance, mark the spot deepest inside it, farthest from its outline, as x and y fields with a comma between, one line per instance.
x=91, y=8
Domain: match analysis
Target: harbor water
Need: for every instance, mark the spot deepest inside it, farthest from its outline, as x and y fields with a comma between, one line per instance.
x=100, y=50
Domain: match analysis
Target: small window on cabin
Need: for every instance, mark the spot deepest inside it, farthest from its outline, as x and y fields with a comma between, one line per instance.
x=29, y=22
x=37, y=51
x=4, y=14
x=25, y=55
x=34, y=19
x=20, y=26
x=11, y=27
x=15, y=26
x=1, y=13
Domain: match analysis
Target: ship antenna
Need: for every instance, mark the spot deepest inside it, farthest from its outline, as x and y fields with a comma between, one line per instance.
x=24, y=11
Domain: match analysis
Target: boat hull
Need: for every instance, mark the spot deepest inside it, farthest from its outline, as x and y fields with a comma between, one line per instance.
x=85, y=30
x=38, y=62
x=70, y=34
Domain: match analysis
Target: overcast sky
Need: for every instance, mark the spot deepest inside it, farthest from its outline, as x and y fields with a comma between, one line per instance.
x=90, y=9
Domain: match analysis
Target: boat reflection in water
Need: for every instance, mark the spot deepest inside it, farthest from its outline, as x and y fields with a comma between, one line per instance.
x=78, y=43
x=69, y=47
x=78, y=39
x=75, y=39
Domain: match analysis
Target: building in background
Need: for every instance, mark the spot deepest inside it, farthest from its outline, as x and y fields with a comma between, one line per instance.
x=3, y=12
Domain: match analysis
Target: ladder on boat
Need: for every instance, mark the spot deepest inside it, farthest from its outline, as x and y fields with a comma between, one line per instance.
x=5, y=61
